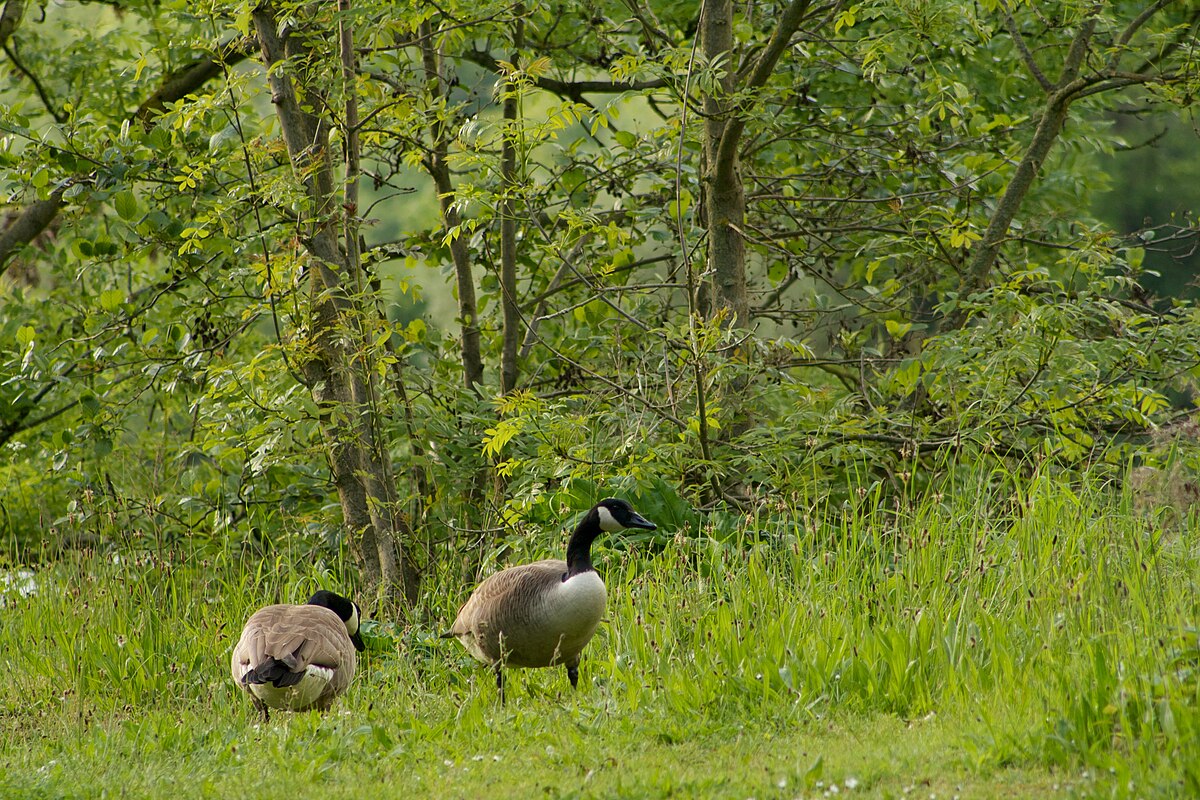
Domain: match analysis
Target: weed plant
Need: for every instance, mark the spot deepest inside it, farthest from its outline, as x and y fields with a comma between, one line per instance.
x=994, y=639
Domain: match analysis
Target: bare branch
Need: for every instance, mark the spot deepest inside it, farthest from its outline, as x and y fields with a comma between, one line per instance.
x=572, y=90
x=1133, y=27
x=1054, y=114
x=43, y=95
x=1023, y=49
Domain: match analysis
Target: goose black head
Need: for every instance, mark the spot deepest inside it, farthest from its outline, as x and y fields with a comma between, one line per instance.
x=610, y=514
x=347, y=611
x=616, y=514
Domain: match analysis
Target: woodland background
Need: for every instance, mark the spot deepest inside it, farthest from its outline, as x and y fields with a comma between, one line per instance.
x=396, y=277
x=884, y=311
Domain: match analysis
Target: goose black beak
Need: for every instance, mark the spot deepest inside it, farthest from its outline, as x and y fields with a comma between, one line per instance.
x=636, y=520
x=356, y=640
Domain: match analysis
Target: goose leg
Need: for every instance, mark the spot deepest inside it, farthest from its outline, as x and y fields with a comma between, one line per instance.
x=500, y=681
x=261, y=706
x=573, y=674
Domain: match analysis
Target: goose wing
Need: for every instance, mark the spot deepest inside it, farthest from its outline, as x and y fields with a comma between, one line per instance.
x=504, y=601
x=298, y=637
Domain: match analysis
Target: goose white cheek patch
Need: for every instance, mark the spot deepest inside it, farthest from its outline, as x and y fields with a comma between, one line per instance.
x=607, y=521
x=352, y=623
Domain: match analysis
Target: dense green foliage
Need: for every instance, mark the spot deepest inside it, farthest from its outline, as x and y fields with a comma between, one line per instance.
x=1046, y=650
x=157, y=337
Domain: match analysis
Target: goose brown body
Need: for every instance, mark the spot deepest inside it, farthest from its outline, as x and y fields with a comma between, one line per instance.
x=530, y=616
x=543, y=614
x=296, y=657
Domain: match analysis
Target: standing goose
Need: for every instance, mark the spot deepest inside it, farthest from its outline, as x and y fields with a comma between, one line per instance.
x=542, y=614
x=298, y=657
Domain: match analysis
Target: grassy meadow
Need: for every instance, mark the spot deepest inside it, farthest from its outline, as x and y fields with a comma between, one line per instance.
x=984, y=642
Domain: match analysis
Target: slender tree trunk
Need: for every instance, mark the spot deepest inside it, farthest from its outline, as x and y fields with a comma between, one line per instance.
x=724, y=196
x=439, y=170
x=508, y=221
x=724, y=123
x=339, y=372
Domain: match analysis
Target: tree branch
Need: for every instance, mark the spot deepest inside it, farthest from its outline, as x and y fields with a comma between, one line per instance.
x=1133, y=27
x=42, y=94
x=572, y=90
x=185, y=80
x=788, y=24
x=1054, y=114
x=10, y=18
x=1023, y=49
x=36, y=217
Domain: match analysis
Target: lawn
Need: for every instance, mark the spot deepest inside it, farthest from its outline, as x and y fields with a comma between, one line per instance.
x=1041, y=647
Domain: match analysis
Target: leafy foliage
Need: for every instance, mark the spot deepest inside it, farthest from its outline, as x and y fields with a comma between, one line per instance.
x=156, y=332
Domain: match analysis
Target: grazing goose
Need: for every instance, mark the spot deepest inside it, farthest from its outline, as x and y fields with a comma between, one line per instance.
x=298, y=657
x=542, y=614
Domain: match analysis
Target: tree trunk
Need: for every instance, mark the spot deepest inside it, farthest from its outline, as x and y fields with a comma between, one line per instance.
x=724, y=123
x=508, y=221
x=724, y=195
x=339, y=372
x=439, y=170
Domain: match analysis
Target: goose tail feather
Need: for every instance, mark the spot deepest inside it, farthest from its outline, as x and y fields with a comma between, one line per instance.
x=274, y=672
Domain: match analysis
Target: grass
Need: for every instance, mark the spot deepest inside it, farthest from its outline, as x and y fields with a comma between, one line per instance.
x=985, y=643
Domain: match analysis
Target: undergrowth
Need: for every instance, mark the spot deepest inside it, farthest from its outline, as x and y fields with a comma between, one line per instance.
x=1045, y=631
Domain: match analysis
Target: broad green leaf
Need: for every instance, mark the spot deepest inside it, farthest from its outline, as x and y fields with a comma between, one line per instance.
x=111, y=299
x=126, y=204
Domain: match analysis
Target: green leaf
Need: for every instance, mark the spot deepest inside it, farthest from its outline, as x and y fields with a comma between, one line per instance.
x=897, y=329
x=111, y=299
x=90, y=404
x=25, y=336
x=126, y=204
x=495, y=438
x=625, y=139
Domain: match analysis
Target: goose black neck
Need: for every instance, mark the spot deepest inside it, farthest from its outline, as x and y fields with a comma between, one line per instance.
x=579, y=548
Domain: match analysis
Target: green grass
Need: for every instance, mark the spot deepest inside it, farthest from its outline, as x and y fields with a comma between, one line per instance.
x=979, y=644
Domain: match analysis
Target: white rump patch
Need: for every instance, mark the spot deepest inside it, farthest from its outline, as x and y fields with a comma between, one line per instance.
x=296, y=697
x=607, y=521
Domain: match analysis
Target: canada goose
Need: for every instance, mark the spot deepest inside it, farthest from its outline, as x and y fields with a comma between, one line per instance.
x=298, y=657
x=542, y=614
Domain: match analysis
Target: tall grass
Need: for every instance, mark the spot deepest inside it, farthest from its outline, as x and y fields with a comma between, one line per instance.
x=1058, y=626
